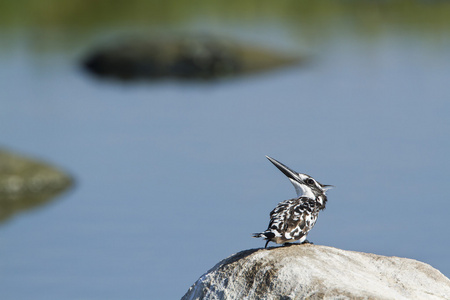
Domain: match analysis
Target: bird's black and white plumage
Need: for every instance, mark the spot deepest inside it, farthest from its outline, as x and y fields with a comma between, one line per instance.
x=292, y=219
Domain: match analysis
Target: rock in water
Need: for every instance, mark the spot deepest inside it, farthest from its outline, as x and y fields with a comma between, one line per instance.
x=183, y=57
x=318, y=272
x=27, y=183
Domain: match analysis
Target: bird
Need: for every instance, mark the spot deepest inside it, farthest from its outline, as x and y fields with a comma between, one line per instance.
x=292, y=219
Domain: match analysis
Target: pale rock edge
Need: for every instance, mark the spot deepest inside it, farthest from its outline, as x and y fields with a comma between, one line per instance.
x=318, y=272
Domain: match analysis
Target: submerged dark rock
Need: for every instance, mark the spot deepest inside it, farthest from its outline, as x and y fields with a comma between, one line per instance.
x=27, y=183
x=184, y=57
x=318, y=272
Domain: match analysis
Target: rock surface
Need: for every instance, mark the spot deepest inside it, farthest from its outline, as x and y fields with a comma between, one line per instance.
x=318, y=272
x=26, y=183
x=181, y=56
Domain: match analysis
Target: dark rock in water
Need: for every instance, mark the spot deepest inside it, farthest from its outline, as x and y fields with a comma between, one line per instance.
x=26, y=183
x=185, y=57
x=318, y=272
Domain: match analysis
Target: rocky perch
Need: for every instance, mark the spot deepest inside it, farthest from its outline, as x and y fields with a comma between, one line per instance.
x=318, y=272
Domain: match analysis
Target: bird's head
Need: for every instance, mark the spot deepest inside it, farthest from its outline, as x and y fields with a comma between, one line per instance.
x=304, y=185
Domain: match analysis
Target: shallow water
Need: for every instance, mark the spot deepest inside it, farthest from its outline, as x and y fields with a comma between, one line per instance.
x=171, y=176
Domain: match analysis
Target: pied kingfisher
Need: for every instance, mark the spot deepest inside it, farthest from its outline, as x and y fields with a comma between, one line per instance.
x=292, y=219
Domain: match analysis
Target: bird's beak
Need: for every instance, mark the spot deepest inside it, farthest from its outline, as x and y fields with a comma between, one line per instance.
x=292, y=175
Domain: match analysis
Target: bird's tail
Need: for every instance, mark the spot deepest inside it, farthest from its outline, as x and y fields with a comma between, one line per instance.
x=266, y=235
x=258, y=235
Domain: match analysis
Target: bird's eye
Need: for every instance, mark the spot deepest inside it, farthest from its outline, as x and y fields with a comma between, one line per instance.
x=309, y=181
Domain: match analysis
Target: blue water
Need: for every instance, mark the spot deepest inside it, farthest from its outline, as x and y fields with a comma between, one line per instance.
x=171, y=177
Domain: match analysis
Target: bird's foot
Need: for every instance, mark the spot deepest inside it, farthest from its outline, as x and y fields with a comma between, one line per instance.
x=307, y=242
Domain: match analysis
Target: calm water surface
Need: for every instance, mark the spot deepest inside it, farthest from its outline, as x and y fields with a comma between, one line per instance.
x=171, y=177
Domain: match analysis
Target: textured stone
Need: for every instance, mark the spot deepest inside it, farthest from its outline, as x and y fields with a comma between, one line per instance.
x=318, y=272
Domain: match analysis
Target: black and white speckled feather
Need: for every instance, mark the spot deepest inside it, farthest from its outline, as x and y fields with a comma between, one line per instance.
x=291, y=220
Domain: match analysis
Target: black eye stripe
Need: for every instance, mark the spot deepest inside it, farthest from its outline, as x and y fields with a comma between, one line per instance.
x=309, y=181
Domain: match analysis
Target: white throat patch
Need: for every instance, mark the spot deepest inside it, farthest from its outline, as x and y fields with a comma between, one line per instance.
x=302, y=189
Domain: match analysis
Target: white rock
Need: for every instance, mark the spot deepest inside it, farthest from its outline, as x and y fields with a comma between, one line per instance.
x=318, y=272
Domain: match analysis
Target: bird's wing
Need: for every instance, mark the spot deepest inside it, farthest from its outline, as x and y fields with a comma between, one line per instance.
x=291, y=219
